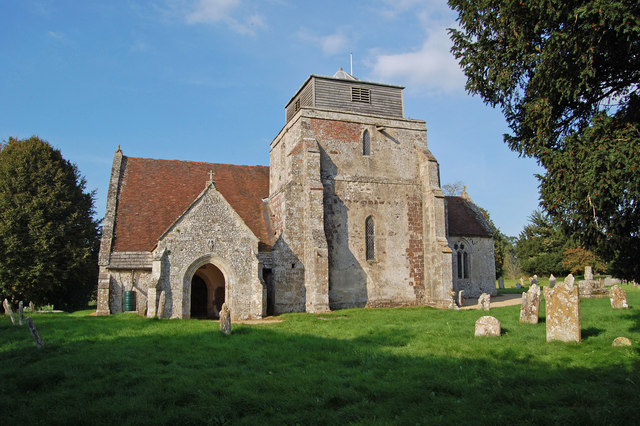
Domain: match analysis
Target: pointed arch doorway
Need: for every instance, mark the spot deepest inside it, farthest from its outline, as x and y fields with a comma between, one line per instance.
x=207, y=292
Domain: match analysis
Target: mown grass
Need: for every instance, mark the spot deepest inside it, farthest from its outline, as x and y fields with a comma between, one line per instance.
x=361, y=366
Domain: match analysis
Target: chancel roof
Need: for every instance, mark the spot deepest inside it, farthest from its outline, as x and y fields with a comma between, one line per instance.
x=464, y=218
x=154, y=193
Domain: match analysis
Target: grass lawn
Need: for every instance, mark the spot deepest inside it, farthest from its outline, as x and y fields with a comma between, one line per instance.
x=362, y=366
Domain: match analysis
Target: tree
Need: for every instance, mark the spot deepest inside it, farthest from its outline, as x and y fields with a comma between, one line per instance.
x=566, y=77
x=453, y=189
x=575, y=259
x=540, y=247
x=48, y=237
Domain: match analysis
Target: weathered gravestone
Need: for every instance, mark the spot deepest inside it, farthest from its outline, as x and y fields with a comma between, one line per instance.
x=521, y=283
x=161, y=303
x=621, y=341
x=588, y=273
x=34, y=333
x=32, y=307
x=552, y=281
x=501, y=283
x=460, y=298
x=530, y=307
x=533, y=280
x=8, y=311
x=618, y=298
x=563, y=311
x=609, y=281
x=484, y=302
x=488, y=326
x=225, y=319
x=21, y=313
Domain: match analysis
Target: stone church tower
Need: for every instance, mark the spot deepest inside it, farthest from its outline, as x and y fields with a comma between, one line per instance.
x=349, y=214
x=357, y=209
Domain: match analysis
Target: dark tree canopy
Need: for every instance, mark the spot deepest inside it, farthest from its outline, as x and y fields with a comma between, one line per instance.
x=541, y=246
x=48, y=237
x=566, y=76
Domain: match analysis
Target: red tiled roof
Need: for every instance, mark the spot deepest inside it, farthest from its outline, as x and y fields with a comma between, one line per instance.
x=154, y=193
x=463, y=220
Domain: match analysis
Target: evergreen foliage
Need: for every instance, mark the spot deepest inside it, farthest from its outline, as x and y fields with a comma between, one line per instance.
x=48, y=237
x=541, y=247
x=566, y=77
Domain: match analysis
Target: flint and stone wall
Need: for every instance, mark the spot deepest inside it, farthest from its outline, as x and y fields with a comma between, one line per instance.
x=322, y=190
x=211, y=232
x=481, y=264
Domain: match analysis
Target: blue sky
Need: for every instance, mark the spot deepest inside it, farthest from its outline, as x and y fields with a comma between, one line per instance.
x=207, y=80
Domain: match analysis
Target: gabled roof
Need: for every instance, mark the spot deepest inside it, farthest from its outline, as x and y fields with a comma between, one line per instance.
x=154, y=193
x=464, y=218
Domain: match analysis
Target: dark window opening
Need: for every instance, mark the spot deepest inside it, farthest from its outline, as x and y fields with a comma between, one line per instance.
x=366, y=143
x=370, y=238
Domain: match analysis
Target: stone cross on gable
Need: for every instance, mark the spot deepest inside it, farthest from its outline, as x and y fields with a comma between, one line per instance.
x=211, y=181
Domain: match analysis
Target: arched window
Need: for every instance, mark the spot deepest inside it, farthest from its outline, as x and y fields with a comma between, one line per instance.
x=462, y=261
x=370, y=238
x=366, y=143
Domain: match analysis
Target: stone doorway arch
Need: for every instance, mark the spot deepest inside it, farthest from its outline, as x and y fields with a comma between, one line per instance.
x=208, y=290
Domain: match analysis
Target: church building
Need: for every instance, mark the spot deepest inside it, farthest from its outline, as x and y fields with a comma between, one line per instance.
x=349, y=213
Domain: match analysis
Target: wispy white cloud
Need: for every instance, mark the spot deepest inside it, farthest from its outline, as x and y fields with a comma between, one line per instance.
x=432, y=68
x=56, y=35
x=332, y=44
x=228, y=12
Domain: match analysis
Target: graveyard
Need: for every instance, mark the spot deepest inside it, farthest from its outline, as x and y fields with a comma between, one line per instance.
x=415, y=365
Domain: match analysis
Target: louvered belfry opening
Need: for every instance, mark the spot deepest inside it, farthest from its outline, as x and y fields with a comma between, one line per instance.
x=361, y=94
x=370, y=238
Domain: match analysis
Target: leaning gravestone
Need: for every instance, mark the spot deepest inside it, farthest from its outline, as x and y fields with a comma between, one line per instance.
x=225, y=319
x=530, y=307
x=21, y=313
x=488, y=326
x=501, y=283
x=563, y=312
x=34, y=333
x=8, y=311
x=161, y=303
x=484, y=302
x=618, y=298
x=552, y=281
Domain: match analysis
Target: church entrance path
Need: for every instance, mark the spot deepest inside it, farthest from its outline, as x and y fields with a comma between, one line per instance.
x=496, y=301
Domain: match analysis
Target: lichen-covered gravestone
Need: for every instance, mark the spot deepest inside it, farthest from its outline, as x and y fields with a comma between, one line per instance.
x=530, y=307
x=552, y=281
x=618, y=298
x=563, y=312
x=484, y=302
x=621, y=341
x=225, y=319
x=488, y=326
x=588, y=273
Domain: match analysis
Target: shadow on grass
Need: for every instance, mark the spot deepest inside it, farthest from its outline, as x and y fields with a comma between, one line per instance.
x=590, y=332
x=167, y=372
